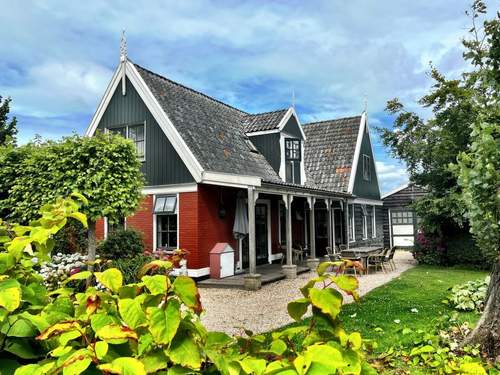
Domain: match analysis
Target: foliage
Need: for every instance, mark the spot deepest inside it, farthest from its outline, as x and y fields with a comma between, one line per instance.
x=104, y=168
x=153, y=324
x=8, y=128
x=429, y=249
x=478, y=167
x=130, y=267
x=469, y=296
x=438, y=351
x=121, y=243
x=71, y=239
x=60, y=267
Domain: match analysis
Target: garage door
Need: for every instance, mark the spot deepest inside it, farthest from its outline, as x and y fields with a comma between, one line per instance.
x=403, y=228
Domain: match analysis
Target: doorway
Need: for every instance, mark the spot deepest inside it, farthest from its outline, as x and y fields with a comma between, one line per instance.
x=339, y=226
x=262, y=235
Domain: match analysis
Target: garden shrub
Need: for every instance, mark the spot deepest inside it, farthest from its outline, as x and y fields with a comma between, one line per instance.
x=71, y=239
x=152, y=326
x=60, y=267
x=121, y=243
x=469, y=296
x=130, y=267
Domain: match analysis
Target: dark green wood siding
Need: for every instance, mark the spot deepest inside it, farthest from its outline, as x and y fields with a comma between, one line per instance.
x=363, y=188
x=269, y=146
x=292, y=127
x=163, y=165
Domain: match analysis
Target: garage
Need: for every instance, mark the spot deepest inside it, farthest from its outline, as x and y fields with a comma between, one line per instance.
x=399, y=221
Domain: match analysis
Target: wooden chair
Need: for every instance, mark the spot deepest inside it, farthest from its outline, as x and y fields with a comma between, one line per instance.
x=389, y=258
x=353, y=257
x=333, y=254
x=377, y=260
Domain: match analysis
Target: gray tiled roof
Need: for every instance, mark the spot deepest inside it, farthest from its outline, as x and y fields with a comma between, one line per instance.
x=212, y=130
x=329, y=151
x=263, y=121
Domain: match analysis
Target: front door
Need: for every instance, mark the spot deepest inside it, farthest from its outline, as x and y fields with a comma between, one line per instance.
x=261, y=237
x=261, y=233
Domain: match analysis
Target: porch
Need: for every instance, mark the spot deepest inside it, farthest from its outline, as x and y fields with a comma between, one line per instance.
x=268, y=273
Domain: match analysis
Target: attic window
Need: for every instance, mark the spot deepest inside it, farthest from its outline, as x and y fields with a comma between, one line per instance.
x=251, y=146
x=292, y=149
x=137, y=134
x=367, y=172
x=165, y=204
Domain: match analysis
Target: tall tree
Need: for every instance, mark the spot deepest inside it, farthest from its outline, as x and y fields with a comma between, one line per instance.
x=104, y=168
x=455, y=154
x=8, y=129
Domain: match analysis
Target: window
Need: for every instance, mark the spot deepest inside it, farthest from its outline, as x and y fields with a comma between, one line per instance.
x=374, y=222
x=365, y=223
x=350, y=209
x=166, y=221
x=402, y=217
x=137, y=134
x=292, y=149
x=367, y=172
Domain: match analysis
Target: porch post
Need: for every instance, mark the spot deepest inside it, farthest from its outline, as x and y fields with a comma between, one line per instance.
x=346, y=213
x=329, y=213
x=312, y=262
x=290, y=270
x=252, y=280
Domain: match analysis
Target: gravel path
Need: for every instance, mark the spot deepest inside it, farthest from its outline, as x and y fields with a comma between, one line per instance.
x=229, y=310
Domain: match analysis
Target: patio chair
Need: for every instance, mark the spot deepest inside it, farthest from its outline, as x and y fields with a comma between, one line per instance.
x=377, y=260
x=283, y=254
x=333, y=254
x=355, y=259
x=298, y=254
x=389, y=258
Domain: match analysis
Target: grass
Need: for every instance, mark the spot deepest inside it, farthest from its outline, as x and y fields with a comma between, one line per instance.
x=422, y=288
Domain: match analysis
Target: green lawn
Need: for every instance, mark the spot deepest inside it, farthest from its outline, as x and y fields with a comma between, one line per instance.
x=422, y=288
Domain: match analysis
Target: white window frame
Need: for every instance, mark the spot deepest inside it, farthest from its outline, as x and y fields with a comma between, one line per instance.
x=374, y=222
x=155, y=222
x=367, y=171
x=126, y=126
x=352, y=231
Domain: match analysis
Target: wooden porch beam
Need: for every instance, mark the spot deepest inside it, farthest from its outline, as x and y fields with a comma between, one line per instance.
x=288, y=206
x=252, y=261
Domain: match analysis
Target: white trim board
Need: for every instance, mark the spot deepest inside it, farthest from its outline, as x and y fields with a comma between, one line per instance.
x=193, y=272
x=397, y=190
x=229, y=179
x=170, y=189
x=289, y=113
x=371, y=202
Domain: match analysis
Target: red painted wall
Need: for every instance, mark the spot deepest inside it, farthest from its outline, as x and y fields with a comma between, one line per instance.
x=142, y=221
x=99, y=229
x=188, y=227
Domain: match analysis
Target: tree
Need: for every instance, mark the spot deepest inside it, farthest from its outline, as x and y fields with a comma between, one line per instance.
x=455, y=154
x=103, y=168
x=8, y=128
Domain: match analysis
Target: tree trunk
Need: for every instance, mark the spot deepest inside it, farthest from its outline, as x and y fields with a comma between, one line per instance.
x=487, y=331
x=91, y=244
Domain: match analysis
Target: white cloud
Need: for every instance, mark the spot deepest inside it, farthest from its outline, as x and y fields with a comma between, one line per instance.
x=391, y=175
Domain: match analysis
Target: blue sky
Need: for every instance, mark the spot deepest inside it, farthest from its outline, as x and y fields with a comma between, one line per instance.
x=57, y=57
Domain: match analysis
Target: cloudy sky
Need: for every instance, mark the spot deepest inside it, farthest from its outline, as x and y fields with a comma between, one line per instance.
x=57, y=57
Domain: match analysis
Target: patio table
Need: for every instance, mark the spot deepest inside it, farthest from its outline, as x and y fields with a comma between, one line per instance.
x=362, y=252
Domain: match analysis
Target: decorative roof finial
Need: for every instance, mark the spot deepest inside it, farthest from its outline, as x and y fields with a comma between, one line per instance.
x=123, y=47
x=293, y=98
x=365, y=101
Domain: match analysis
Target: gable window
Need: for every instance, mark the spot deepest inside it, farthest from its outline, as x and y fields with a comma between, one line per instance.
x=374, y=222
x=293, y=159
x=165, y=210
x=365, y=222
x=367, y=172
x=136, y=133
x=350, y=209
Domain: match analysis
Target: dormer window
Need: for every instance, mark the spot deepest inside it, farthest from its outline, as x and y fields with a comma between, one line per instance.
x=292, y=149
x=293, y=158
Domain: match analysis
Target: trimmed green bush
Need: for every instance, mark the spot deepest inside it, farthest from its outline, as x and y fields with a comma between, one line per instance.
x=122, y=243
x=130, y=267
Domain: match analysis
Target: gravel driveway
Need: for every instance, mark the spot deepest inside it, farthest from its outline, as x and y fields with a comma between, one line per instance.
x=229, y=310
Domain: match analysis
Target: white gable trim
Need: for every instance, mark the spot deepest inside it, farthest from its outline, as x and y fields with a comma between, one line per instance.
x=363, y=126
x=156, y=110
x=398, y=189
x=291, y=112
x=262, y=132
x=355, y=159
x=103, y=104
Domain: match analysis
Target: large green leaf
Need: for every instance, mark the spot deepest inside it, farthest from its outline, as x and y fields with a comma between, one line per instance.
x=297, y=308
x=253, y=365
x=112, y=278
x=187, y=291
x=163, y=324
x=184, y=351
x=324, y=359
x=10, y=294
x=131, y=312
x=16, y=326
x=124, y=366
x=58, y=329
x=157, y=284
x=21, y=347
x=77, y=362
x=97, y=321
x=328, y=300
x=155, y=361
x=113, y=332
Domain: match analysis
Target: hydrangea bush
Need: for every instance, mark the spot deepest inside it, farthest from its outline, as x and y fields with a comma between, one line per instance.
x=60, y=267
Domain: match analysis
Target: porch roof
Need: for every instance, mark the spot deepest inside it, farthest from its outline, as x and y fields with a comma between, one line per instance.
x=290, y=188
